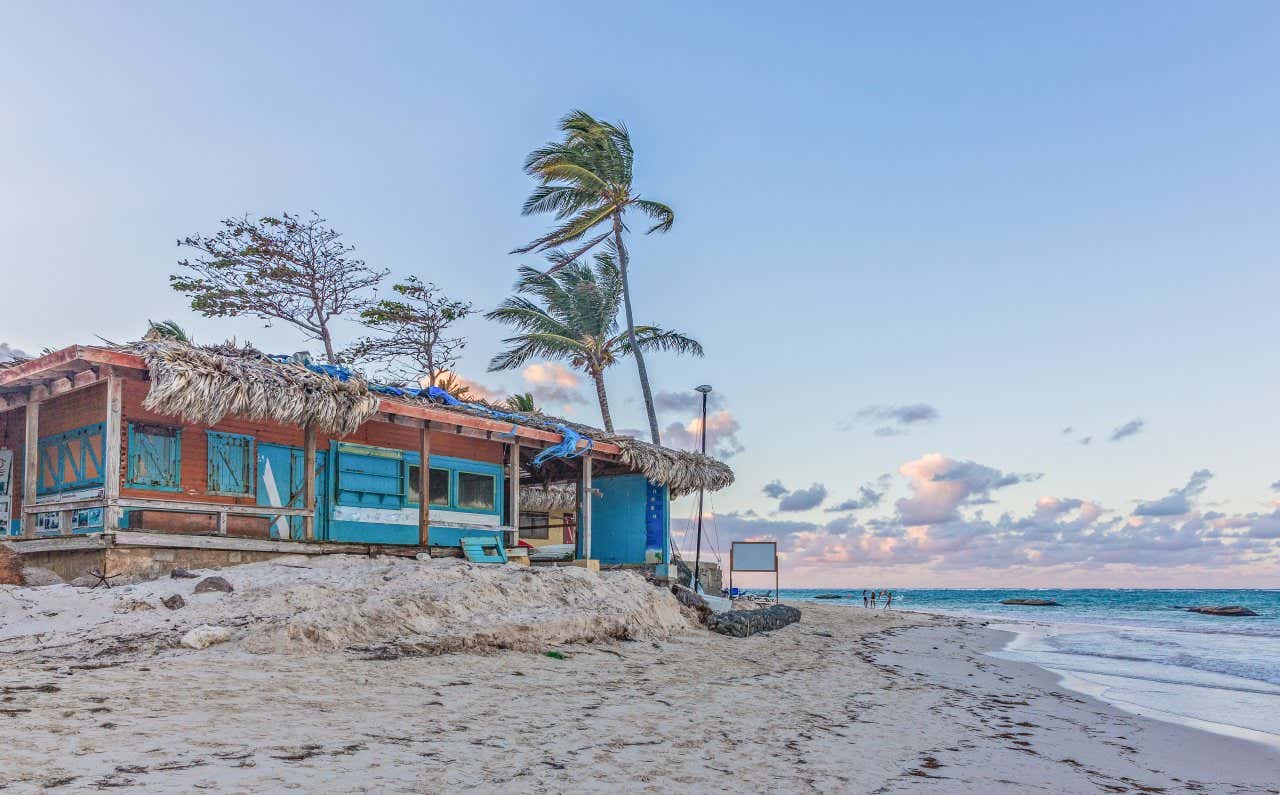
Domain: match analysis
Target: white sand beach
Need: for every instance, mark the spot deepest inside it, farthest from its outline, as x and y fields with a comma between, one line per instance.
x=318, y=691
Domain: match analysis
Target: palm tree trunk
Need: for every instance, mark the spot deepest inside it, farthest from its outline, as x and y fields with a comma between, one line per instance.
x=598, y=377
x=623, y=260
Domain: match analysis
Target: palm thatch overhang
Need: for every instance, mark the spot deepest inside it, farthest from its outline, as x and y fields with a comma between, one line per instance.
x=205, y=384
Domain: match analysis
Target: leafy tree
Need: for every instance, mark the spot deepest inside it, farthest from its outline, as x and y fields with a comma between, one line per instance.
x=289, y=269
x=522, y=401
x=415, y=328
x=573, y=315
x=586, y=182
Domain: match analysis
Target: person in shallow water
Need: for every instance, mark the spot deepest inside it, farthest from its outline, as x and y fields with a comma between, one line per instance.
x=874, y=596
x=865, y=600
x=888, y=595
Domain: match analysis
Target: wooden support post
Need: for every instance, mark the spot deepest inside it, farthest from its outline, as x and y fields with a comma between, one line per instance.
x=111, y=455
x=30, y=467
x=424, y=485
x=309, y=481
x=513, y=474
x=586, y=506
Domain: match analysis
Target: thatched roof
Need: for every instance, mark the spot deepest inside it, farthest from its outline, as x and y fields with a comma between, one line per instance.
x=206, y=384
x=559, y=496
x=683, y=471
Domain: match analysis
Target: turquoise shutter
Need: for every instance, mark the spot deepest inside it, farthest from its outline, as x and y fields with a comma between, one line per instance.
x=155, y=457
x=230, y=463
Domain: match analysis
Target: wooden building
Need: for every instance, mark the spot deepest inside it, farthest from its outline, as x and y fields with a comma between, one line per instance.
x=165, y=446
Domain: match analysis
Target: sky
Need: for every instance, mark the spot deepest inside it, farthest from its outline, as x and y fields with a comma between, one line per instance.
x=987, y=290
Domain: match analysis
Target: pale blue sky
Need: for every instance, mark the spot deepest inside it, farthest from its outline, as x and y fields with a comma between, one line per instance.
x=1025, y=217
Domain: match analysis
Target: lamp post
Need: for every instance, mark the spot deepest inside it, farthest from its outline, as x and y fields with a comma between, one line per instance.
x=705, y=389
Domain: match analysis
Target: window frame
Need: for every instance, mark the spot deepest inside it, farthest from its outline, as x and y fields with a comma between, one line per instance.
x=130, y=471
x=455, y=466
x=408, y=481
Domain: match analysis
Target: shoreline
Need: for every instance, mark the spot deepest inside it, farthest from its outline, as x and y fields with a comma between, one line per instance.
x=1095, y=684
x=845, y=700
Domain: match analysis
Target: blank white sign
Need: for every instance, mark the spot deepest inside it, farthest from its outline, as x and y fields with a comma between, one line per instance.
x=754, y=556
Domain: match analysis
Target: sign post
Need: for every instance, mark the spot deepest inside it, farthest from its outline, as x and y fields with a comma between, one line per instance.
x=754, y=556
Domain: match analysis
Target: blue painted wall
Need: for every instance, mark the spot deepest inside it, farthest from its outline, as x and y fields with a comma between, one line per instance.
x=629, y=521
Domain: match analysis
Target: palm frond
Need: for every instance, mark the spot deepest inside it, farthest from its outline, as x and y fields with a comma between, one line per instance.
x=664, y=215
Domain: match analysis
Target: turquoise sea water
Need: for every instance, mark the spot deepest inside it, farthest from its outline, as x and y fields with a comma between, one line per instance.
x=1137, y=649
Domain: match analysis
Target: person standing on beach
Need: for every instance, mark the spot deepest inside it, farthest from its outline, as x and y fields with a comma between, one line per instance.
x=889, y=598
x=874, y=596
x=865, y=600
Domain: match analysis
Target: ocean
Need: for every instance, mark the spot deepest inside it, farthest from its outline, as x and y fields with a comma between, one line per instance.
x=1137, y=649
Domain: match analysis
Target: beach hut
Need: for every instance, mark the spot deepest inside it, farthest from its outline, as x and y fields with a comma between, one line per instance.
x=160, y=454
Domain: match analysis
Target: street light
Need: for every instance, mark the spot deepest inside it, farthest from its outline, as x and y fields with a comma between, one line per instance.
x=705, y=389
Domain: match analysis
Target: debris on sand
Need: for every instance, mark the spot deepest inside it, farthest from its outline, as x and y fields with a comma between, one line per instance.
x=205, y=636
x=214, y=584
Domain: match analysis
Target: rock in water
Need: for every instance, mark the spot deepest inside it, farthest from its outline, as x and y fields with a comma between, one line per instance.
x=182, y=574
x=174, y=601
x=1031, y=602
x=741, y=623
x=205, y=636
x=828, y=596
x=209, y=584
x=1223, y=610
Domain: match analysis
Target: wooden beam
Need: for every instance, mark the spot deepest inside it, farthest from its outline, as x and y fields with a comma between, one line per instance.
x=586, y=508
x=309, y=481
x=30, y=466
x=111, y=453
x=184, y=506
x=424, y=486
x=513, y=476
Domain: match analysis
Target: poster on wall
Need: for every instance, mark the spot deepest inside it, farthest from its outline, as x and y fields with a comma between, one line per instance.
x=6, y=491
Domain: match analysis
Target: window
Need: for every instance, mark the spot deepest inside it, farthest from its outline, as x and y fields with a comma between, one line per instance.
x=535, y=525
x=439, y=486
x=476, y=492
x=230, y=464
x=370, y=477
x=70, y=460
x=154, y=456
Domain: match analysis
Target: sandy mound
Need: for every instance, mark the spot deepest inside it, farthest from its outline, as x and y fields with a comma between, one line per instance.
x=381, y=607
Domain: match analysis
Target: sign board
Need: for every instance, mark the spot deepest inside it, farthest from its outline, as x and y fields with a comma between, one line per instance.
x=755, y=556
x=6, y=491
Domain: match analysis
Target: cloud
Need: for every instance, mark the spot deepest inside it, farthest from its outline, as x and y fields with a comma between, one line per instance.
x=1178, y=501
x=803, y=499
x=774, y=489
x=940, y=485
x=1130, y=428
x=869, y=496
x=475, y=389
x=940, y=531
x=892, y=420
x=722, y=435
x=9, y=353
x=689, y=402
x=554, y=386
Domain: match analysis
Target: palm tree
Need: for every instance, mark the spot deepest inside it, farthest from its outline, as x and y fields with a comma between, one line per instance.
x=586, y=183
x=167, y=330
x=575, y=317
x=522, y=402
